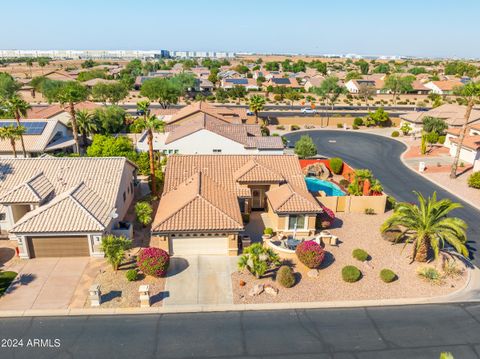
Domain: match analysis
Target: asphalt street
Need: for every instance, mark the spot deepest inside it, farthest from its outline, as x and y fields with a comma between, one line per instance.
x=382, y=156
x=363, y=333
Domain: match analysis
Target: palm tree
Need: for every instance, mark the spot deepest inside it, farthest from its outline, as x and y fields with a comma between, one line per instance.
x=470, y=93
x=68, y=94
x=256, y=104
x=12, y=133
x=87, y=124
x=151, y=124
x=18, y=107
x=428, y=227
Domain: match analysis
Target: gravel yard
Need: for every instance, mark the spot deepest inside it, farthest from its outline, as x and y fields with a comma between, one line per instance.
x=117, y=292
x=355, y=231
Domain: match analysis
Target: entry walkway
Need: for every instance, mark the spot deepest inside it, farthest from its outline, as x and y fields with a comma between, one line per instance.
x=200, y=280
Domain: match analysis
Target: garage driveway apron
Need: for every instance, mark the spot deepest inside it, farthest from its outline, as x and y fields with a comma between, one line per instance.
x=200, y=279
x=46, y=283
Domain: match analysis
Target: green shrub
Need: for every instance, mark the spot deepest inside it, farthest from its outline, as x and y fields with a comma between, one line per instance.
x=268, y=231
x=246, y=217
x=285, y=277
x=355, y=127
x=339, y=125
x=294, y=128
x=360, y=254
x=351, y=274
x=387, y=275
x=336, y=165
x=280, y=127
x=441, y=139
x=131, y=275
x=369, y=211
x=143, y=212
x=395, y=134
x=344, y=183
x=474, y=180
x=432, y=137
x=358, y=121
x=430, y=274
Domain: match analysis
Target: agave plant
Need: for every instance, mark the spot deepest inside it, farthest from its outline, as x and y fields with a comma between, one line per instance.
x=257, y=259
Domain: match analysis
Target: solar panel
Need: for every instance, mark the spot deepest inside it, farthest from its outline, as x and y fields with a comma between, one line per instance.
x=31, y=128
x=281, y=81
x=238, y=81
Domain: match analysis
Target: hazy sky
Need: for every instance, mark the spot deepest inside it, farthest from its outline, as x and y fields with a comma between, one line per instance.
x=448, y=28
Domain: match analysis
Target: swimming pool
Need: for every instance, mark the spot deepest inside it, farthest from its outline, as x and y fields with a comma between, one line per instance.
x=331, y=189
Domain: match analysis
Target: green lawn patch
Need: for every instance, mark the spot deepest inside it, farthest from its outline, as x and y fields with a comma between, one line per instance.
x=5, y=279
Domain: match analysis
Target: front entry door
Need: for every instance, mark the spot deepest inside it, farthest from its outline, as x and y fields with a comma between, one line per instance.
x=257, y=198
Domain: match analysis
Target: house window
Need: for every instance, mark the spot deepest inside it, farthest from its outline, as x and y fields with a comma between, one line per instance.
x=296, y=222
x=217, y=150
x=3, y=216
x=124, y=196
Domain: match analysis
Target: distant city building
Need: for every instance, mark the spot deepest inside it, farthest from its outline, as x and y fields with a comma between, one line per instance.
x=85, y=54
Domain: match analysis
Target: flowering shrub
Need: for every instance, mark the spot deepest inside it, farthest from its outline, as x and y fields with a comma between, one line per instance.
x=326, y=217
x=153, y=261
x=310, y=253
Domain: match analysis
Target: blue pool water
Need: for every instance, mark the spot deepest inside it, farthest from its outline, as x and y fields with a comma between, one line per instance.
x=315, y=185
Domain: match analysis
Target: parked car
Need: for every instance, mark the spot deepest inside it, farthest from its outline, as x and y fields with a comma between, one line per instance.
x=308, y=110
x=250, y=113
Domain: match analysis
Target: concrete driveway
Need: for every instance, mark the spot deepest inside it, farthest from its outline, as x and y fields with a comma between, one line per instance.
x=45, y=283
x=200, y=279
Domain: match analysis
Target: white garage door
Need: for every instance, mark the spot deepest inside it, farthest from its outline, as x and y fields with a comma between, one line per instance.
x=184, y=246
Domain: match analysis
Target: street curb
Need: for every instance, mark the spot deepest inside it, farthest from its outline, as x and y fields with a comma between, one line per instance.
x=454, y=297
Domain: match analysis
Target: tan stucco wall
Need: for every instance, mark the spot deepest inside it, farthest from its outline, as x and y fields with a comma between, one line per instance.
x=161, y=242
x=360, y=203
x=233, y=244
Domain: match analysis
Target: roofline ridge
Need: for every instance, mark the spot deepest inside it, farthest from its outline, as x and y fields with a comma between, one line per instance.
x=70, y=194
x=220, y=210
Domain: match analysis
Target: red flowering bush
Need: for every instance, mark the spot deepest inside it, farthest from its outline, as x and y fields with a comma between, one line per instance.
x=326, y=217
x=153, y=261
x=310, y=253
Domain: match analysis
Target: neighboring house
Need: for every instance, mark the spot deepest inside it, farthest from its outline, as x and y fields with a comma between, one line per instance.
x=200, y=72
x=419, y=88
x=61, y=206
x=314, y=81
x=204, y=134
x=376, y=81
x=470, y=151
x=249, y=84
x=289, y=82
x=202, y=128
x=58, y=75
x=445, y=87
x=206, y=196
x=228, y=74
x=454, y=116
x=40, y=136
x=93, y=82
x=59, y=112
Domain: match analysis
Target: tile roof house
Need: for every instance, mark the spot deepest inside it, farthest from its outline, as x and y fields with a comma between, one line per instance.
x=40, y=136
x=443, y=87
x=59, y=112
x=453, y=114
x=249, y=84
x=470, y=151
x=61, y=206
x=206, y=196
x=205, y=129
x=290, y=82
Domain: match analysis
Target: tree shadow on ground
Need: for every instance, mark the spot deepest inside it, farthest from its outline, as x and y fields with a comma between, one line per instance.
x=107, y=297
x=22, y=279
x=177, y=266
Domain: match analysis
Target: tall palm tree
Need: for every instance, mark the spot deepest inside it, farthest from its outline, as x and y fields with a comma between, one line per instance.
x=470, y=93
x=256, y=104
x=12, y=133
x=144, y=108
x=151, y=124
x=87, y=124
x=18, y=107
x=428, y=227
x=68, y=94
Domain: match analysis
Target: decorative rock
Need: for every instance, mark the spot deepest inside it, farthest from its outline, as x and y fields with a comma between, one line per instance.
x=271, y=290
x=242, y=283
x=256, y=290
x=312, y=273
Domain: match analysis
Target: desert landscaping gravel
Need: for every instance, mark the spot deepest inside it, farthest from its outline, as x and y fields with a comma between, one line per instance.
x=356, y=231
x=117, y=292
